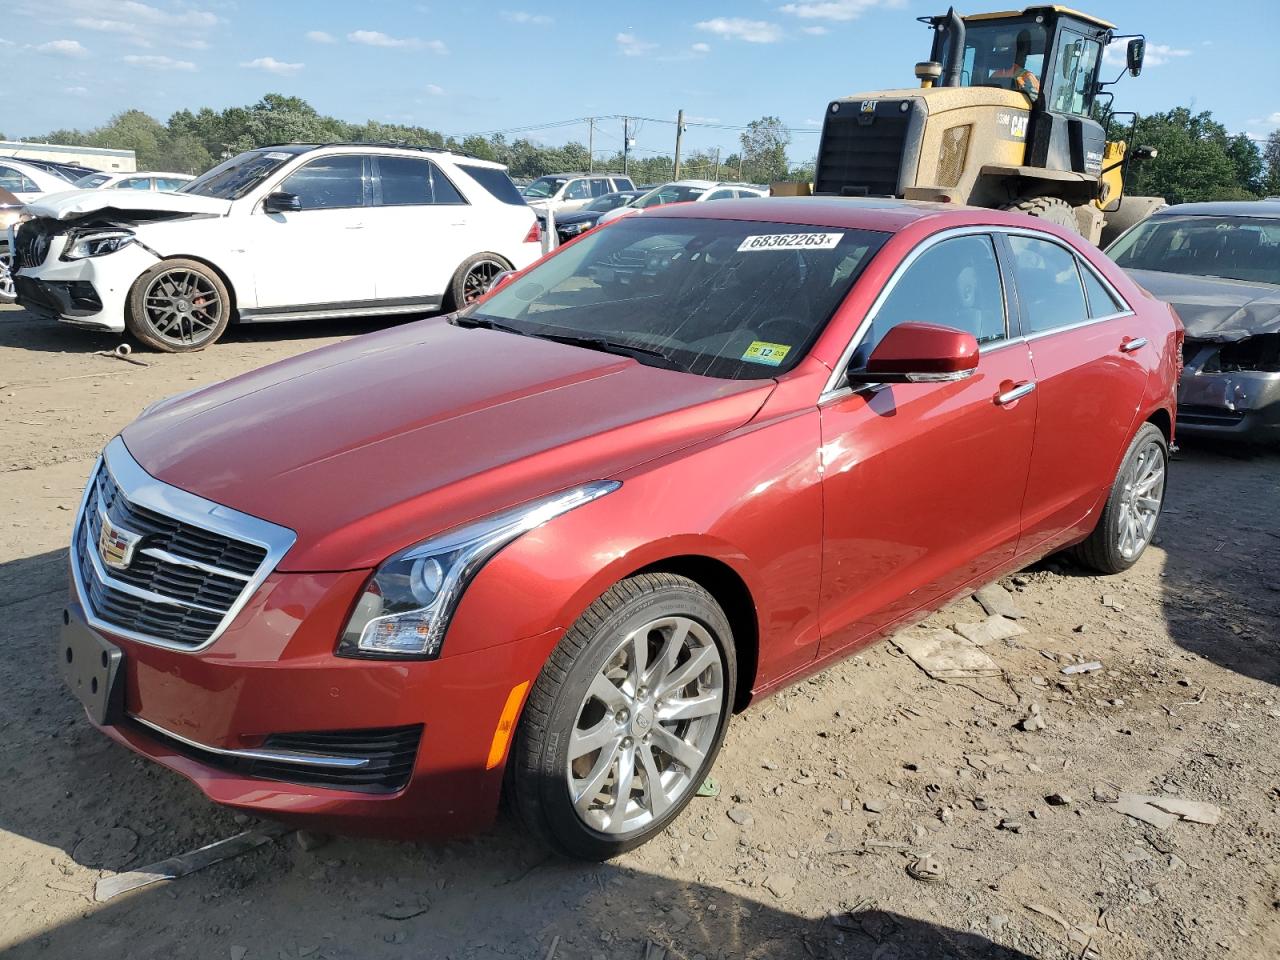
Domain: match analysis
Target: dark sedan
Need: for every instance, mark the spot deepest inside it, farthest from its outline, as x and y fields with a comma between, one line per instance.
x=569, y=225
x=1218, y=265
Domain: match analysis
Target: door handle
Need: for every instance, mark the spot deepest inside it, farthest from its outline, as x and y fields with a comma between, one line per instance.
x=1137, y=343
x=1017, y=393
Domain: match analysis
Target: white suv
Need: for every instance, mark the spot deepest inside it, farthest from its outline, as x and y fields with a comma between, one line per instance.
x=278, y=233
x=684, y=191
x=566, y=192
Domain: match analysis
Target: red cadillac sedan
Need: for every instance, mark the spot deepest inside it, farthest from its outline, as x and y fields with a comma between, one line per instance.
x=550, y=544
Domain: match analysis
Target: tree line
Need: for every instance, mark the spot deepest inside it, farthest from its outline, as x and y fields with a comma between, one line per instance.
x=1198, y=159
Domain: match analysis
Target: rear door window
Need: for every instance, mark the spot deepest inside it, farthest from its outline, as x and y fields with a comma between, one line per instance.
x=408, y=181
x=1048, y=285
x=16, y=182
x=600, y=186
x=329, y=183
x=496, y=182
x=577, y=190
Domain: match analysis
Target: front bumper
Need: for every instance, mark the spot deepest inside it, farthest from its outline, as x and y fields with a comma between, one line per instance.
x=273, y=673
x=1242, y=405
x=90, y=293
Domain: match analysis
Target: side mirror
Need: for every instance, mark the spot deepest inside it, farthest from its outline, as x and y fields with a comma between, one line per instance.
x=499, y=280
x=1134, y=53
x=1144, y=153
x=280, y=202
x=920, y=353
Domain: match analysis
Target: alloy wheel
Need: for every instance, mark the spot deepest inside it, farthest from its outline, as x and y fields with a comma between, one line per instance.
x=646, y=725
x=1140, y=500
x=8, y=289
x=476, y=283
x=182, y=307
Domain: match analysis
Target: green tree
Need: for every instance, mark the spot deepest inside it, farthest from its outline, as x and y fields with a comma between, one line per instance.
x=764, y=150
x=1198, y=159
x=1271, y=157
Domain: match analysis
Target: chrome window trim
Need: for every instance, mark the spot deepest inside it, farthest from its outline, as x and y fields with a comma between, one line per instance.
x=836, y=389
x=144, y=490
x=274, y=756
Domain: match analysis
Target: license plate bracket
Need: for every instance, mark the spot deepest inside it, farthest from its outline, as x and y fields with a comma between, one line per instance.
x=92, y=667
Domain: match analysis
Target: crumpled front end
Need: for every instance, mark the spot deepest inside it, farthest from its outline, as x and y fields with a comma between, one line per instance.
x=54, y=280
x=1231, y=389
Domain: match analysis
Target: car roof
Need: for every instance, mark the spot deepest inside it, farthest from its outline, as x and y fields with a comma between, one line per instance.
x=1223, y=208
x=457, y=155
x=853, y=213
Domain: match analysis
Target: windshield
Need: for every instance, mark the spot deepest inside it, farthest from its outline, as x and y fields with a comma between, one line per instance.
x=608, y=202
x=668, y=193
x=1237, y=248
x=1005, y=54
x=91, y=181
x=720, y=298
x=544, y=187
x=236, y=177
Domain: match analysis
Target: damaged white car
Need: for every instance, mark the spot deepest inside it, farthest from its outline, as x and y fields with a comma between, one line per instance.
x=1218, y=266
x=279, y=233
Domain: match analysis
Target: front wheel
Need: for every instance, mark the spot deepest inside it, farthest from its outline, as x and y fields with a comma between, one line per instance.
x=178, y=306
x=1129, y=519
x=8, y=290
x=626, y=718
x=1053, y=209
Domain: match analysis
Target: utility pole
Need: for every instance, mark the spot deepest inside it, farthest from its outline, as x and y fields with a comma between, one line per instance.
x=626, y=145
x=675, y=175
x=717, y=164
x=740, y=153
x=591, y=142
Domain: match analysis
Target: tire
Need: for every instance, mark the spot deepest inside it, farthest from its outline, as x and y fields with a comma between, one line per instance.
x=8, y=293
x=472, y=279
x=564, y=706
x=1052, y=209
x=178, y=306
x=1109, y=549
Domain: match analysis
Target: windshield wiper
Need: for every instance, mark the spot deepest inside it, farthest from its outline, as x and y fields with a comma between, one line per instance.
x=611, y=346
x=485, y=323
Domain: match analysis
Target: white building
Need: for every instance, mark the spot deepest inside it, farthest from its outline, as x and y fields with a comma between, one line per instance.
x=100, y=158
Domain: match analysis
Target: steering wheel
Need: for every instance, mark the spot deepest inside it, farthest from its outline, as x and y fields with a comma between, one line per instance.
x=785, y=329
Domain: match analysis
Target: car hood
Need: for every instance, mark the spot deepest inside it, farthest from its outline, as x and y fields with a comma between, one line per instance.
x=365, y=447
x=1213, y=309
x=73, y=204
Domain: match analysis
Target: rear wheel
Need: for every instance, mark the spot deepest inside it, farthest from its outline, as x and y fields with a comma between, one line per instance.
x=472, y=280
x=626, y=718
x=1053, y=209
x=1129, y=519
x=8, y=292
x=178, y=306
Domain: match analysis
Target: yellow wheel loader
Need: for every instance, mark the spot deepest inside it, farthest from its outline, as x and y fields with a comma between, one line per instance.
x=1004, y=117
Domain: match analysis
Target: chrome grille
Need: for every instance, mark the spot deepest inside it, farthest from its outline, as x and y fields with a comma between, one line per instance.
x=182, y=582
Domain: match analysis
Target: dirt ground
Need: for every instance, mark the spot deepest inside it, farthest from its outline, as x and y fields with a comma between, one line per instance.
x=829, y=791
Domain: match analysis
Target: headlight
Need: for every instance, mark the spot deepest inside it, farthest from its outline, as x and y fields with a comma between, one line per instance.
x=407, y=604
x=99, y=244
x=575, y=227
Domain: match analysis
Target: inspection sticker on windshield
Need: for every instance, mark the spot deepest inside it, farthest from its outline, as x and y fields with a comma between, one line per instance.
x=771, y=353
x=790, y=241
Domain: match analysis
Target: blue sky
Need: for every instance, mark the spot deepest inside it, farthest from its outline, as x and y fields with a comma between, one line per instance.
x=465, y=68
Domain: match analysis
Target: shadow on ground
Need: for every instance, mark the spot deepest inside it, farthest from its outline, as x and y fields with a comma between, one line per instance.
x=1222, y=540
x=21, y=330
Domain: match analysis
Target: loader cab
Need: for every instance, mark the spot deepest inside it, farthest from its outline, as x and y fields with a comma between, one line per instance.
x=1050, y=54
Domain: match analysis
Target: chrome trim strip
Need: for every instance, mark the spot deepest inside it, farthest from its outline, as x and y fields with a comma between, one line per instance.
x=173, y=558
x=835, y=389
x=274, y=756
x=144, y=490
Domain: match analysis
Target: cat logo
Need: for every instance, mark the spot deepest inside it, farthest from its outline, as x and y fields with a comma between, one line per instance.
x=869, y=106
x=1018, y=127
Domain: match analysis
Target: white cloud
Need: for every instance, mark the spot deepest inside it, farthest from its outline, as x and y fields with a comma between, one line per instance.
x=520, y=16
x=629, y=45
x=1274, y=118
x=1157, y=54
x=158, y=62
x=196, y=44
x=374, y=38
x=838, y=10
x=100, y=25
x=435, y=90
x=272, y=65
x=139, y=24
x=319, y=36
x=701, y=48
x=63, y=48
x=739, y=28
x=815, y=31
x=78, y=91
x=701, y=119
x=6, y=43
